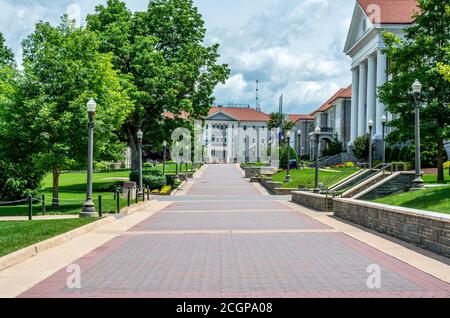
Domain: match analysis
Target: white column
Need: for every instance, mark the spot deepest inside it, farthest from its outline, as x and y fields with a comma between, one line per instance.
x=362, y=101
x=209, y=146
x=354, y=107
x=337, y=118
x=371, y=90
x=381, y=79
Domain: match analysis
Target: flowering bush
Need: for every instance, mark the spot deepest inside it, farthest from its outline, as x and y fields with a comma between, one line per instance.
x=447, y=165
x=349, y=165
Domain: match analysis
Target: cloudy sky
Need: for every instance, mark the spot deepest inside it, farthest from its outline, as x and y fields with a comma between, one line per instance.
x=293, y=47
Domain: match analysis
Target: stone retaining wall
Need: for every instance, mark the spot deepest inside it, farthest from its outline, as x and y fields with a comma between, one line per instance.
x=314, y=201
x=273, y=187
x=428, y=230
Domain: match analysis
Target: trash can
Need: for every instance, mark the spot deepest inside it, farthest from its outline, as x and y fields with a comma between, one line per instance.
x=293, y=164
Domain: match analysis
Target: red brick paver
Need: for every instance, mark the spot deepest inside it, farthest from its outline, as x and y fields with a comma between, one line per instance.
x=155, y=259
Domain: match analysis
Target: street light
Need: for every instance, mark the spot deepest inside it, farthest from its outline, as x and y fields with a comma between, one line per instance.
x=288, y=175
x=383, y=142
x=140, y=136
x=417, y=90
x=317, y=133
x=164, y=156
x=370, y=142
x=89, y=206
x=299, y=134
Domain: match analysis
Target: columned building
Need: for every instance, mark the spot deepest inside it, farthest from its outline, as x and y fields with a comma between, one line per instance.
x=235, y=134
x=333, y=118
x=303, y=126
x=369, y=64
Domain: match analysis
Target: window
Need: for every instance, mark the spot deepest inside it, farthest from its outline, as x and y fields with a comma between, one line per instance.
x=245, y=128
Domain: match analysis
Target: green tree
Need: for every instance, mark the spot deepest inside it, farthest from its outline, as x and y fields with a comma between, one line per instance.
x=421, y=55
x=6, y=55
x=286, y=125
x=18, y=174
x=62, y=70
x=162, y=52
x=361, y=148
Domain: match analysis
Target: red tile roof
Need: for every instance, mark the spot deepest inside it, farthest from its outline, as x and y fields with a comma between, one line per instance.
x=391, y=11
x=342, y=93
x=296, y=118
x=241, y=114
x=170, y=115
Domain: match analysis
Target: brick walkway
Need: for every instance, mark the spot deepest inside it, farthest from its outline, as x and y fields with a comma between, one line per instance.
x=222, y=239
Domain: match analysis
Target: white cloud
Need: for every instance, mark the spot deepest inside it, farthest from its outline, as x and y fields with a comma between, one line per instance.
x=293, y=47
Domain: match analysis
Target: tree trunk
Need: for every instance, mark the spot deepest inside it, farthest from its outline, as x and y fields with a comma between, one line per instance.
x=133, y=144
x=440, y=161
x=55, y=196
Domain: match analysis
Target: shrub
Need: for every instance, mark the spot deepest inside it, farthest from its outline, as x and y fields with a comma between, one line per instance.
x=102, y=165
x=17, y=181
x=349, y=165
x=152, y=179
x=361, y=148
x=405, y=154
x=387, y=153
x=376, y=163
x=335, y=148
x=283, y=156
x=395, y=155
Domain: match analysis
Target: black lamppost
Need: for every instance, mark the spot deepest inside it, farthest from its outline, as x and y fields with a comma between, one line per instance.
x=417, y=90
x=89, y=206
x=383, y=135
x=317, y=133
x=288, y=145
x=164, y=156
x=370, y=142
x=140, y=136
x=299, y=135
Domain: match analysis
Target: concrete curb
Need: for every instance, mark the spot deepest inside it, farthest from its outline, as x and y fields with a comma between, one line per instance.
x=32, y=250
x=178, y=188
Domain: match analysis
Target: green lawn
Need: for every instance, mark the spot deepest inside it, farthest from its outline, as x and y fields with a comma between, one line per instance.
x=20, y=234
x=431, y=178
x=306, y=176
x=431, y=199
x=72, y=192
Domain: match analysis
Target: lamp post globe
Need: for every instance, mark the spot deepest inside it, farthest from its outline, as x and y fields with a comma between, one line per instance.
x=317, y=132
x=383, y=120
x=417, y=90
x=88, y=209
x=370, y=123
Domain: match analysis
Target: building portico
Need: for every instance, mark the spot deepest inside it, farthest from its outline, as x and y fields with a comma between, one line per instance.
x=369, y=64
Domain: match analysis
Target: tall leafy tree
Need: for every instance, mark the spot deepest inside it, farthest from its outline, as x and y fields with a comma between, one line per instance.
x=162, y=53
x=62, y=70
x=18, y=174
x=6, y=54
x=420, y=55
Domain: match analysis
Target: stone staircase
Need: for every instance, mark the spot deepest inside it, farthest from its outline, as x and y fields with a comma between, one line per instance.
x=397, y=182
x=359, y=183
x=373, y=180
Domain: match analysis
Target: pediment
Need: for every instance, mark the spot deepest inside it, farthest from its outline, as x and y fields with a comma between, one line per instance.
x=222, y=116
x=359, y=27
